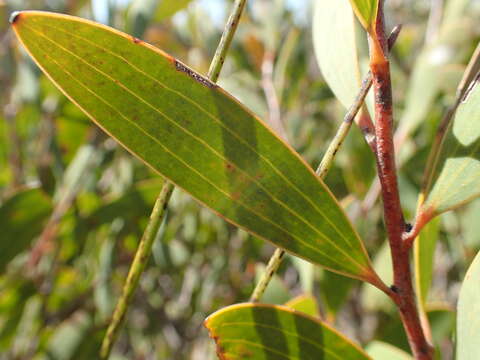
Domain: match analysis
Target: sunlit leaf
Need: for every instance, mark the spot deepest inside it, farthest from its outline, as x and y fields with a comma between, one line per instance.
x=276, y=332
x=457, y=174
x=379, y=350
x=468, y=314
x=304, y=303
x=194, y=133
x=334, y=41
x=22, y=218
x=168, y=8
x=366, y=11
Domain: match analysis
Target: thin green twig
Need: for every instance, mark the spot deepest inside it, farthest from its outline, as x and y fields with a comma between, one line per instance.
x=226, y=40
x=324, y=167
x=139, y=262
x=145, y=247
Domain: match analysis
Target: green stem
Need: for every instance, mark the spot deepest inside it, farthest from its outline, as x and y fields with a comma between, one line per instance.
x=143, y=252
x=139, y=262
x=226, y=40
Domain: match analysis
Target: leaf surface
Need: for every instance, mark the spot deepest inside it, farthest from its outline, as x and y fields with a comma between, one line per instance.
x=366, y=11
x=276, y=332
x=424, y=253
x=21, y=219
x=334, y=41
x=457, y=168
x=468, y=314
x=195, y=134
x=379, y=350
x=304, y=303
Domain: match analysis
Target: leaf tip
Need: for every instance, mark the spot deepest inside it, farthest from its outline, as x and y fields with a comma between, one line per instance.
x=14, y=17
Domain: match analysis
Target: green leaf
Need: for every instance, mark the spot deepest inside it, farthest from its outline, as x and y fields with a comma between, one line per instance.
x=276, y=332
x=468, y=314
x=304, y=303
x=379, y=350
x=195, y=134
x=334, y=41
x=168, y=8
x=366, y=11
x=457, y=174
x=424, y=253
x=22, y=218
x=372, y=298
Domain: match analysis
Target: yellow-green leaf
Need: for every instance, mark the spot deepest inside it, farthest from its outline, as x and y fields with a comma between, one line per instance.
x=195, y=134
x=264, y=332
x=468, y=314
x=304, y=303
x=366, y=11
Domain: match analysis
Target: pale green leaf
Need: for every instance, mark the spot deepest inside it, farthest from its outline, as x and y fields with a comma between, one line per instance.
x=195, y=134
x=366, y=11
x=457, y=174
x=168, y=8
x=379, y=350
x=304, y=303
x=334, y=40
x=264, y=332
x=468, y=314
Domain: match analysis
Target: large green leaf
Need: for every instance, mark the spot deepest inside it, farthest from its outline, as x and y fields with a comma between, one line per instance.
x=457, y=174
x=366, y=11
x=259, y=332
x=21, y=219
x=468, y=314
x=194, y=133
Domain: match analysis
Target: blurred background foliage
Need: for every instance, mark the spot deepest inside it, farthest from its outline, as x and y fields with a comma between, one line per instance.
x=73, y=204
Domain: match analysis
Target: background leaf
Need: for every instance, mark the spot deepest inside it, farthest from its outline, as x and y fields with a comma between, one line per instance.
x=366, y=11
x=267, y=332
x=21, y=219
x=334, y=40
x=191, y=131
x=468, y=319
x=424, y=255
x=457, y=174
x=379, y=350
x=305, y=303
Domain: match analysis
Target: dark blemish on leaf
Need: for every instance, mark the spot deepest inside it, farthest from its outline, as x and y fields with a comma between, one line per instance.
x=14, y=17
x=229, y=166
x=194, y=75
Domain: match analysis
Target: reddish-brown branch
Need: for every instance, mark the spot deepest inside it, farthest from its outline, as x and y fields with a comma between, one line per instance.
x=402, y=290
